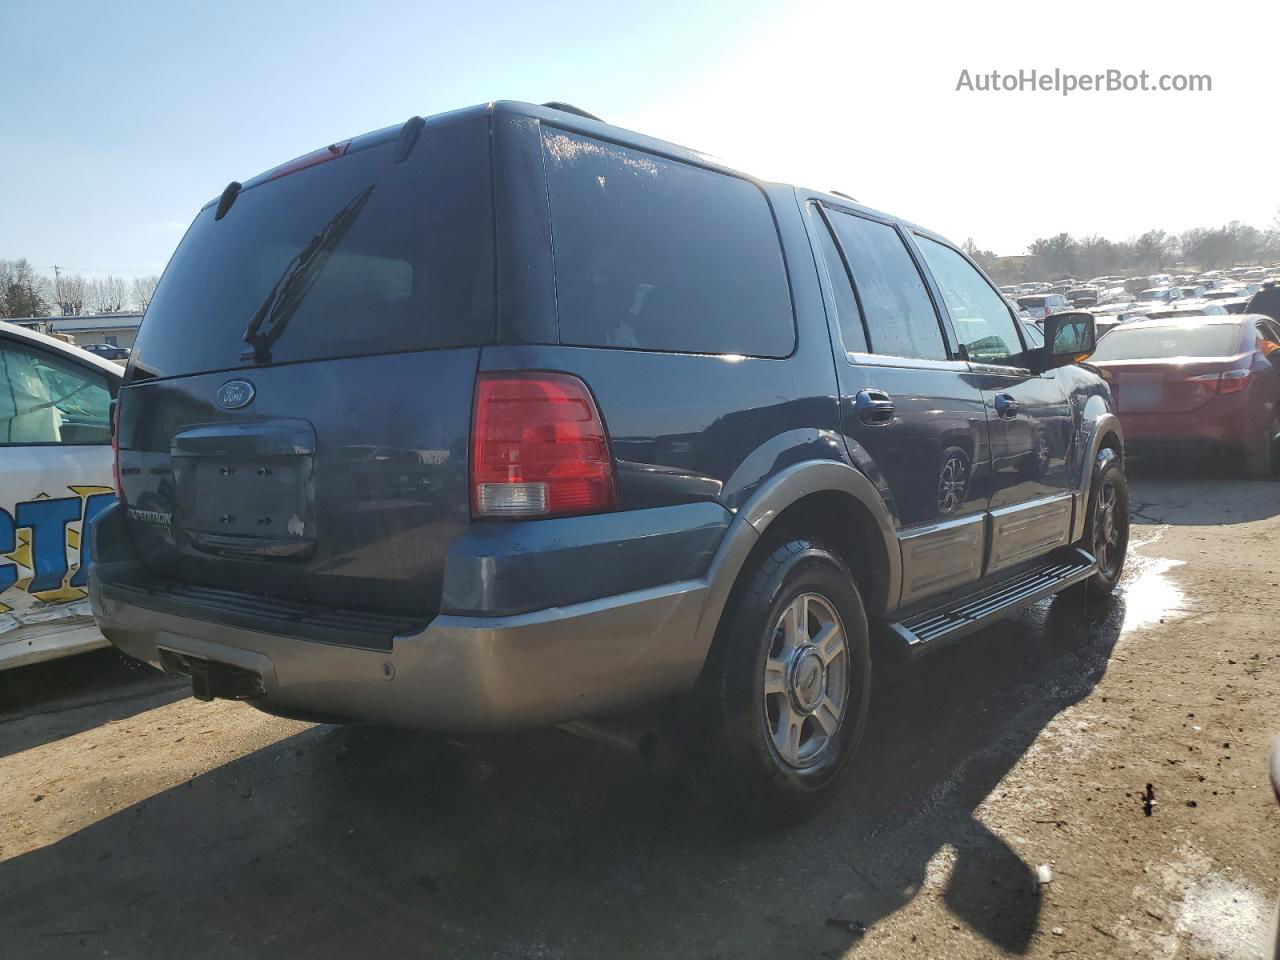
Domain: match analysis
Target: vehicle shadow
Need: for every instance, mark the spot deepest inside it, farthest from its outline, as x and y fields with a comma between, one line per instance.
x=73, y=694
x=1198, y=492
x=341, y=842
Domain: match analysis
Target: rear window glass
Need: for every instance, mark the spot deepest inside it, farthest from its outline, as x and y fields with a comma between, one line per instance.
x=358, y=255
x=1159, y=343
x=654, y=254
x=1028, y=302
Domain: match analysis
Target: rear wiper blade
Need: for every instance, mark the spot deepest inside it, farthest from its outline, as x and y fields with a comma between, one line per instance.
x=284, y=298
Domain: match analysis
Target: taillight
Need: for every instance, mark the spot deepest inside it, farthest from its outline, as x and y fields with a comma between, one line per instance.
x=1232, y=381
x=115, y=448
x=538, y=447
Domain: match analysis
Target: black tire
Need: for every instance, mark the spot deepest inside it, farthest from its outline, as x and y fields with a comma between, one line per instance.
x=1262, y=459
x=1109, y=485
x=734, y=753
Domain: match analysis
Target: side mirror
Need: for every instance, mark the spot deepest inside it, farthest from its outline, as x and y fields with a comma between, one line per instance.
x=1068, y=338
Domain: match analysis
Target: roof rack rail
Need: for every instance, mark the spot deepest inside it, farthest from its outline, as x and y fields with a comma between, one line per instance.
x=570, y=108
x=841, y=193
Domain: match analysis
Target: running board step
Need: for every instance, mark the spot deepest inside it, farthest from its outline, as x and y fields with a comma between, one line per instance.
x=969, y=612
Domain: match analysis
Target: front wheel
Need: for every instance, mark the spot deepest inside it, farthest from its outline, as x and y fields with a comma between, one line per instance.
x=783, y=702
x=1107, y=522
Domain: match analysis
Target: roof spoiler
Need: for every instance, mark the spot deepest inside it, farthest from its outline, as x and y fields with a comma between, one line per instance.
x=570, y=108
x=408, y=138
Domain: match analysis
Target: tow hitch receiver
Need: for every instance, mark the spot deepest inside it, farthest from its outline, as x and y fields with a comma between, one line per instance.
x=212, y=681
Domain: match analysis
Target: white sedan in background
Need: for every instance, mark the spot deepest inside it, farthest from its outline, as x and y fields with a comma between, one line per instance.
x=55, y=476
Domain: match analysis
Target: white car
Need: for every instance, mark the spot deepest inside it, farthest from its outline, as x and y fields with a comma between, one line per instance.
x=1042, y=305
x=55, y=476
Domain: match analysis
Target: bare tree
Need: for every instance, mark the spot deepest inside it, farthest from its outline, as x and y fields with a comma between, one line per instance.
x=20, y=293
x=144, y=289
x=1207, y=247
x=984, y=258
x=69, y=292
x=1152, y=248
x=107, y=295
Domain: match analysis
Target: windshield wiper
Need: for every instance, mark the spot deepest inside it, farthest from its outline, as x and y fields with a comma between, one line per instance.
x=295, y=282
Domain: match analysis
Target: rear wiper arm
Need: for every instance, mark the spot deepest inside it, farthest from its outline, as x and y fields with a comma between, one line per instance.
x=299, y=274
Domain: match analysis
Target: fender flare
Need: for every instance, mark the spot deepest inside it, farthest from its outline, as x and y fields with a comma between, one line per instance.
x=1104, y=425
x=766, y=505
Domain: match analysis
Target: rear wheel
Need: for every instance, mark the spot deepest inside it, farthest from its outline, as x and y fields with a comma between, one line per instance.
x=783, y=702
x=1263, y=458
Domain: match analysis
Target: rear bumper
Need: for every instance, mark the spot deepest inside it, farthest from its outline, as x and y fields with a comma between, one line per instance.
x=618, y=623
x=1211, y=426
x=458, y=674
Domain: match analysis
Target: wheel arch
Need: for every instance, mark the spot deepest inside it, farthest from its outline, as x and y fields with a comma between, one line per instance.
x=829, y=501
x=1109, y=434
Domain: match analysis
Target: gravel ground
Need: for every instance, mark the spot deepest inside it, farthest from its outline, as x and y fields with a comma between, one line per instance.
x=1119, y=752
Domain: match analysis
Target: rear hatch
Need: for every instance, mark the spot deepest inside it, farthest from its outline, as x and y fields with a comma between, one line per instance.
x=295, y=418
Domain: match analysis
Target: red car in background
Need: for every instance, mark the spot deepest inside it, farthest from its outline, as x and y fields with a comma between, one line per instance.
x=1197, y=382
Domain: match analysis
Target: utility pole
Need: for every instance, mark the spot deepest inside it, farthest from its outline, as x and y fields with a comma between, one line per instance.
x=57, y=288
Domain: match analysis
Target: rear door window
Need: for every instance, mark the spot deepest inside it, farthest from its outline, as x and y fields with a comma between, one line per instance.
x=655, y=254
x=398, y=256
x=900, y=317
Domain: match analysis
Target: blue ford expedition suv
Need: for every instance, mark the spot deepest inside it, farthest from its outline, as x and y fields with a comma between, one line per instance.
x=509, y=417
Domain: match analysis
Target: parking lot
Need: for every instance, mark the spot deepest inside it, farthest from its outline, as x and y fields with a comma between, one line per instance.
x=137, y=822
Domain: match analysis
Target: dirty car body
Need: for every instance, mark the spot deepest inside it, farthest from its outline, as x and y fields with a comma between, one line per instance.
x=344, y=428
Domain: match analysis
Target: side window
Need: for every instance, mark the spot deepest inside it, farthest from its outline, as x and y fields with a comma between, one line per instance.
x=45, y=399
x=901, y=321
x=983, y=323
x=1268, y=340
x=655, y=254
x=852, y=333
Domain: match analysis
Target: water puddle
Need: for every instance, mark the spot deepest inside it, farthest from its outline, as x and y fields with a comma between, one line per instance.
x=1147, y=594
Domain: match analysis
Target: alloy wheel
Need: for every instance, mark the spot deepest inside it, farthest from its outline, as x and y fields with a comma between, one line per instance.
x=806, y=680
x=1108, y=529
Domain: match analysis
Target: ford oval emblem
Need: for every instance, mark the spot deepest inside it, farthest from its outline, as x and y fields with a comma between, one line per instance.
x=235, y=394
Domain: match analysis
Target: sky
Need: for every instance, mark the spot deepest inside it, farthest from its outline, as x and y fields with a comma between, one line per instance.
x=121, y=119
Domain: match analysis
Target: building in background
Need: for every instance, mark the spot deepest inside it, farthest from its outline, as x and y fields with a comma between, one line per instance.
x=117, y=329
